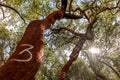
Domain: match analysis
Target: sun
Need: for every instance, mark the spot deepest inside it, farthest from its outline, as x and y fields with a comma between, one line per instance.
x=94, y=50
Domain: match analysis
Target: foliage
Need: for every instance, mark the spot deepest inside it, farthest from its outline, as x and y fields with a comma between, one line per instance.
x=59, y=44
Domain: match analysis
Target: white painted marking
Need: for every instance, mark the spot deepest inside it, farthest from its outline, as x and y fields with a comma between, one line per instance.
x=25, y=50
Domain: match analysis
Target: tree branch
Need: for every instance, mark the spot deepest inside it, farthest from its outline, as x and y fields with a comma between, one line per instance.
x=70, y=30
x=64, y=4
x=73, y=57
x=13, y=10
x=82, y=12
x=3, y=13
x=70, y=6
x=72, y=16
x=89, y=33
x=111, y=68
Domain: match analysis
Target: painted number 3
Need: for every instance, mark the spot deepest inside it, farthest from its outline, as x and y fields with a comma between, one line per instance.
x=25, y=50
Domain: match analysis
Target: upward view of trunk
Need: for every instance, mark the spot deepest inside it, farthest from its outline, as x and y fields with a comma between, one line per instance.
x=26, y=59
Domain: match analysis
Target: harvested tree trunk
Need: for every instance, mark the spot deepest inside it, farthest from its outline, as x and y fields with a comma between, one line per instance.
x=26, y=60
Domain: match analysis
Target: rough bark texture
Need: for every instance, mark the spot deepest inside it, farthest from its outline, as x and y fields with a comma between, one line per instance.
x=16, y=67
x=26, y=60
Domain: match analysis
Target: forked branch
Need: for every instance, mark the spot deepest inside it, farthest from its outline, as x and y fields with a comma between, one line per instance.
x=87, y=36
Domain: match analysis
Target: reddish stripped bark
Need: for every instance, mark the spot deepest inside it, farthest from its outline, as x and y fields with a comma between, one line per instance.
x=26, y=59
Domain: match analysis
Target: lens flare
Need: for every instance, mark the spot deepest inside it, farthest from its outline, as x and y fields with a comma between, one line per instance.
x=94, y=50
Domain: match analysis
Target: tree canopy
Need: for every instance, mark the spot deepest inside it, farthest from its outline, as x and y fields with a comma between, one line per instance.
x=99, y=58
